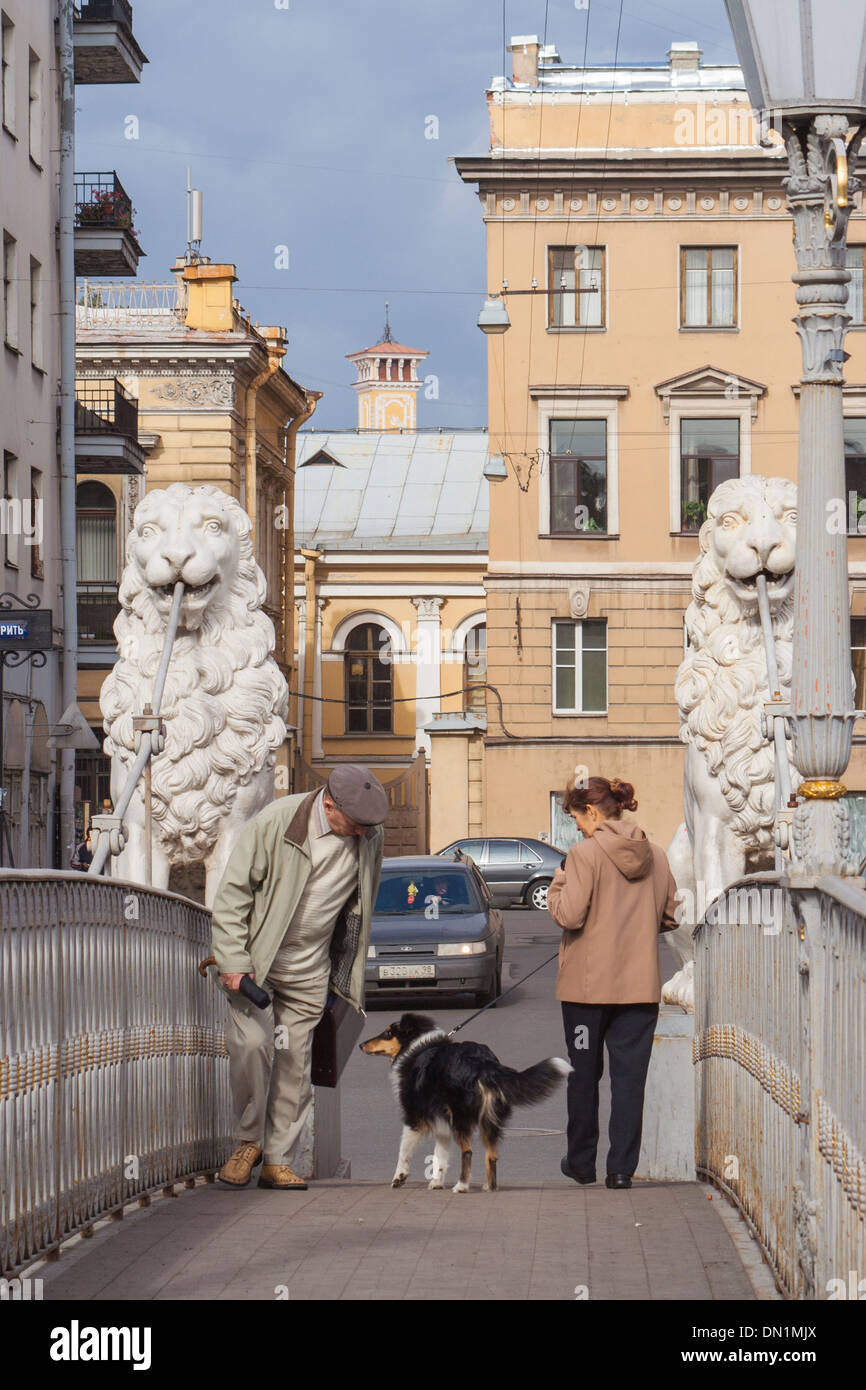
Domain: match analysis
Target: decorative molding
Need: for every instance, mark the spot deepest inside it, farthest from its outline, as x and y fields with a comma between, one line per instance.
x=197, y=390
x=619, y=393
x=428, y=608
x=578, y=600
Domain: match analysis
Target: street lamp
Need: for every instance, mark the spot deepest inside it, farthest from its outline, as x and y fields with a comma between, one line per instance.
x=809, y=74
x=494, y=469
x=494, y=316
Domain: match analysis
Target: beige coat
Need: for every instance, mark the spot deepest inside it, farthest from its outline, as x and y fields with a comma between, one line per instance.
x=613, y=898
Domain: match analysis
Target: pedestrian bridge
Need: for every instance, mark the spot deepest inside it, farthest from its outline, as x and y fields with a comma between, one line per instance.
x=114, y=1089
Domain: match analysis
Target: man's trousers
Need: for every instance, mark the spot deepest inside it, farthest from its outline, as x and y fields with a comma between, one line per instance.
x=269, y=1063
x=628, y=1030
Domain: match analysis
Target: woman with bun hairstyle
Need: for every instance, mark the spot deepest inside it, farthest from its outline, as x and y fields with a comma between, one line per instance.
x=612, y=898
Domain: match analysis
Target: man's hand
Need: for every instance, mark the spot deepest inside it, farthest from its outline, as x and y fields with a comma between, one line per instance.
x=234, y=981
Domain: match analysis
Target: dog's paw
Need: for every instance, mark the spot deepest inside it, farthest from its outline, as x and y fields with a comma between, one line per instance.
x=489, y=1187
x=399, y=1179
x=460, y=1187
x=434, y=1183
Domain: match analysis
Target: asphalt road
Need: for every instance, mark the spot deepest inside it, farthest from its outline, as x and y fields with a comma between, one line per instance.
x=524, y=1028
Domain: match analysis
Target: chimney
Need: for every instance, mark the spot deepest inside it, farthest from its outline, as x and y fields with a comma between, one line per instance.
x=210, y=296
x=525, y=50
x=684, y=57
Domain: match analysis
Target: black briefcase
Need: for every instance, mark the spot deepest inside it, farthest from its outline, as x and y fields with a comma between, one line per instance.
x=334, y=1040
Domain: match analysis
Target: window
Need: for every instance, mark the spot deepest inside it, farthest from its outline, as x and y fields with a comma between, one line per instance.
x=858, y=660
x=36, y=313
x=35, y=108
x=37, y=570
x=709, y=455
x=580, y=667
x=578, y=476
x=475, y=675
x=368, y=681
x=855, y=475
x=96, y=552
x=854, y=262
x=10, y=291
x=472, y=849
x=502, y=852
x=7, y=72
x=11, y=515
x=572, y=268
x=708, y=287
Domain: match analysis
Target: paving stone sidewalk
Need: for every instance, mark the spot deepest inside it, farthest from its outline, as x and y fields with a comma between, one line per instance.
x=363, y=1240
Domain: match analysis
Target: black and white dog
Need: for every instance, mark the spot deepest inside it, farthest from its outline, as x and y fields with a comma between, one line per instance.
x=448, y=1089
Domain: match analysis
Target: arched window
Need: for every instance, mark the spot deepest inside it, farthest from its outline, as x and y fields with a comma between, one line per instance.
x=96, y=546
x=368, y=681
x=475, y=669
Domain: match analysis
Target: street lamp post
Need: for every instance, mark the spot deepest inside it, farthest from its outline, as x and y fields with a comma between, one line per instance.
x=809, y=80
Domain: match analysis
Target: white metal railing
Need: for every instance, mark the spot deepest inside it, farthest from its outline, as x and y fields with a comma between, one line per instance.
x=780, y=1056
x=132, y=305
x=113, y=1071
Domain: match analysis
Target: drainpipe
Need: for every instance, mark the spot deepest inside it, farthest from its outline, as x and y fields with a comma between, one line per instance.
x=287, y=541
x=68, y=569
x=276, y=353
x=310, y=558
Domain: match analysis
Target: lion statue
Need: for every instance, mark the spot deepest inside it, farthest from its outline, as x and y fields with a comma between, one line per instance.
x=721, y=688
x=225, y=701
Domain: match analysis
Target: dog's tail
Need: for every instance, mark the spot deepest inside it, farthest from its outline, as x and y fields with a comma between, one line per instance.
x=527, y=1087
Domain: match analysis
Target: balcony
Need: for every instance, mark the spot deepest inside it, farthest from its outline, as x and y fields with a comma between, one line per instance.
x=105, y=50
x=105, y=239
x=106, y=429
x=98, y=606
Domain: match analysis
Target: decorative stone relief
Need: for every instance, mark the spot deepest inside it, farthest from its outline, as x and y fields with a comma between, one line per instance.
x=578, y=600
x=199, y=390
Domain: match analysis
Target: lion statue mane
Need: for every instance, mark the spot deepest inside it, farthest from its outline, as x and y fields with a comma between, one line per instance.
x=721, y=688
x=225, y=701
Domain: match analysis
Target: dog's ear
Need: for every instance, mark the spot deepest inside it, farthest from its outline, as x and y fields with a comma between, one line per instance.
x=412, y=1026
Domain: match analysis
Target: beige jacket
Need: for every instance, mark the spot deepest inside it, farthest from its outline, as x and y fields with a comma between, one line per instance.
x=613, y=898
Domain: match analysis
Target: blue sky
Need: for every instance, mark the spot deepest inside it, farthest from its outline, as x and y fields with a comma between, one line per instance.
x=305, y=127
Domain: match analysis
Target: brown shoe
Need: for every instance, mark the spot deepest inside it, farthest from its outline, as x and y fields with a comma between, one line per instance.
x=280, y=1175
x=237, y=1170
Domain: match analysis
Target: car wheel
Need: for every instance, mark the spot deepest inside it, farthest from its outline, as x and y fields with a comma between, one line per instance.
x=537, y=896
x=489, y=996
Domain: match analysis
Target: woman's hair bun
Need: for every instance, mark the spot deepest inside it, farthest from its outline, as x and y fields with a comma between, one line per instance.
x=623, y=793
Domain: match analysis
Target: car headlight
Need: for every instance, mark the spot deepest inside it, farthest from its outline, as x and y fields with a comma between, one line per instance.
x=461, y=948
x=371, y=952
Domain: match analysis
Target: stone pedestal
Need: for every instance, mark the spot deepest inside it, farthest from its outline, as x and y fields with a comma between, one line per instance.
x=668, y=1142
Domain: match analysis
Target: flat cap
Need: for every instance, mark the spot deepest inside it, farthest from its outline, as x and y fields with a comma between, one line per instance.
x=357, y=793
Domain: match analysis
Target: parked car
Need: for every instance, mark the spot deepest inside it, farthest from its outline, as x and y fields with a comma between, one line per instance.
x=515, y=870
x=434, y=931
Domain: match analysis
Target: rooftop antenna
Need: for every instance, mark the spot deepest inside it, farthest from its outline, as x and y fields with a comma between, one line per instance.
x=387, y=338
x=194, y=221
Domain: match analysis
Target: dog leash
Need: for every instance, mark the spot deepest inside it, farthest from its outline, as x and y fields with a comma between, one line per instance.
x=502, y=995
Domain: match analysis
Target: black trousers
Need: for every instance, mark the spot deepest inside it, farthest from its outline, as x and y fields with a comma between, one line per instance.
x=628, y=1031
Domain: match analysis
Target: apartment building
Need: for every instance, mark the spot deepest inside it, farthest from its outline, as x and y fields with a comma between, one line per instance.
x=641, y=236
x=31, y=372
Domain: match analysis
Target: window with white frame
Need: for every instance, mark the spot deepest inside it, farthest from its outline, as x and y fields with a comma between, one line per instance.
x=34, y=121
x=709, y=455
x=36, y=326
x=12, y=511
x=855, y=474
x=578, y=476
x=7, y=72
x=580, y=666
x=854, y=256
x=708, y=287
x=10, y=291
x=858, y=660
x=571, y=269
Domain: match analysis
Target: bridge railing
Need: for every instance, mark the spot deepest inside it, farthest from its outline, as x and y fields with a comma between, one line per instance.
x=780, y=1055
x=113, y=1072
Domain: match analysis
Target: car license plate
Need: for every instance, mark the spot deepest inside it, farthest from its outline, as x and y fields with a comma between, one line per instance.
x=407, y=972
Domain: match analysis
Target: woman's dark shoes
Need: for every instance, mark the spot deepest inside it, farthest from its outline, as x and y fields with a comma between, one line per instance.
x=617, y=1180
x=584, y=1178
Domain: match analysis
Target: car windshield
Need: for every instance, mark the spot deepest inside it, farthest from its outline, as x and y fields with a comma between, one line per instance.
x=443, y=893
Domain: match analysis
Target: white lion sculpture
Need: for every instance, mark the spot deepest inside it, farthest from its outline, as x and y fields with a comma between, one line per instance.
x=721, y=688
x=225, y=701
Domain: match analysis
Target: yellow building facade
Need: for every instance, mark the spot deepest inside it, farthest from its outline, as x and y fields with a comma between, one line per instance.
x=656, y=358
x=176, y=384
x=391, y=527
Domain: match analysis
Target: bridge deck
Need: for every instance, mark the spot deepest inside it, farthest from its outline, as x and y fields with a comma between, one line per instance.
x=362, y=1240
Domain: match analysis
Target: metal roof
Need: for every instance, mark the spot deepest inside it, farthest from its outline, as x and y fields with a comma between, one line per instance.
x=394, y=490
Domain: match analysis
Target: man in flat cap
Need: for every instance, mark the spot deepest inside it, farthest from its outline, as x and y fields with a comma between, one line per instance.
x=293, y=910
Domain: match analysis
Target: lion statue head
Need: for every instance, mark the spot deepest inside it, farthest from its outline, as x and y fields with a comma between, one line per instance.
x=225, y=701
x=721, y=685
